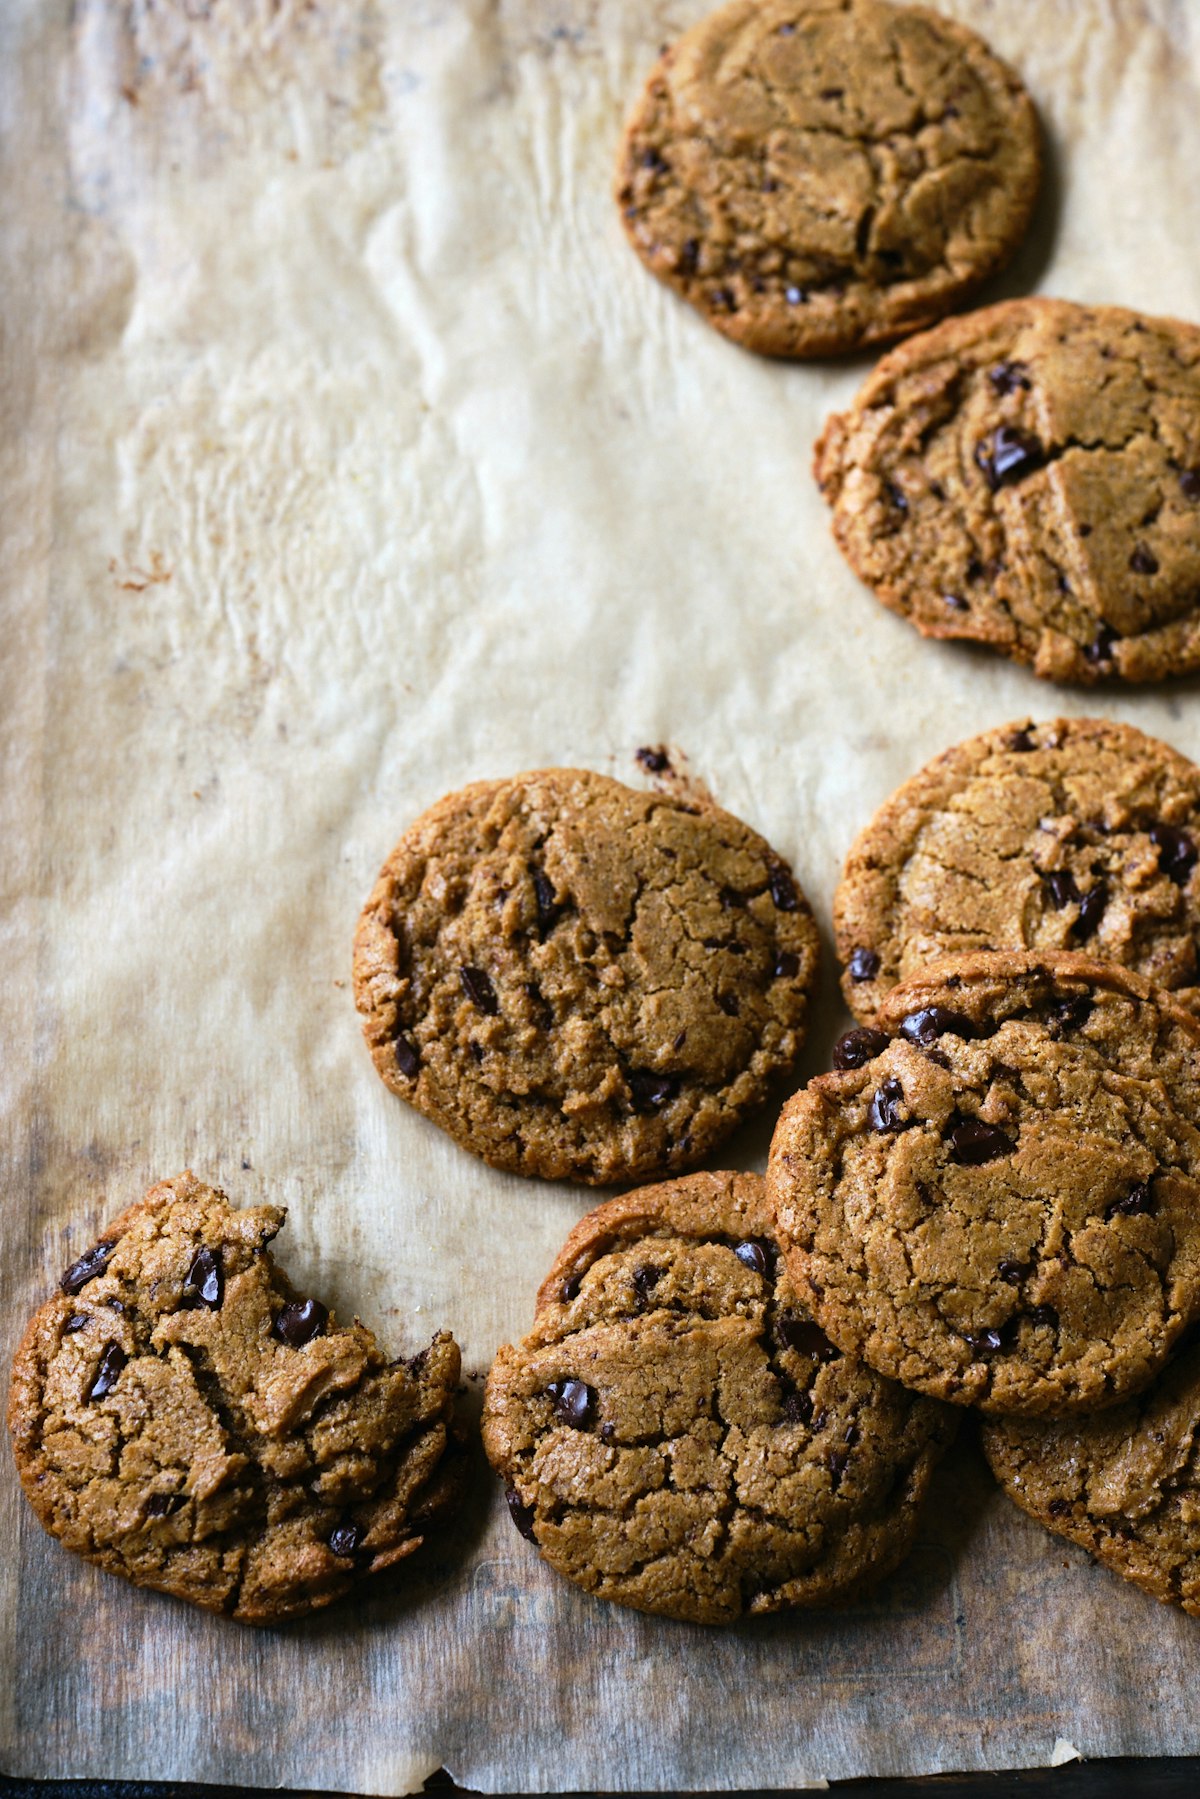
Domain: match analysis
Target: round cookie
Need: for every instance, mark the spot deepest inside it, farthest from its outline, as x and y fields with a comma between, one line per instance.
x=577, y=980
x=1028, y=477
x=183, y=1418
x=1076, y=834
x=816, y=174
x=997, y=1198
x=678, y=1436
x=1125, y=1485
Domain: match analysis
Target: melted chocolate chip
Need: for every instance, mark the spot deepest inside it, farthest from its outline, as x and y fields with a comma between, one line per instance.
x=956, y=602
x=1060, y=883
x=161, y=1505
x=797, y=1407
x=1069, y=1014
x=204, y=1284
x=1043, y=1315
x=546, y=901
x=1008, y=455
x=651, y=159
x=1012, y=1272
x=521, y=1514
x=1058, y=1508
x=345, y=1538
x=689, y=257
x=724, y=296
x=1022, y=740
x=758, y=1255
x=804, y=1336
x=1091, y=911
x=570, y=1288
x=897, y=496
x=77, y=1321
x=783, y=890
x=728, y=1003
x=972, y=1143
x=112, y=1361
x=1176, y=852
x=649, y=1090
x=1138, y=1201
x=656, y=761
x=932, y=1022
x=477, y=986
x=787, y=965
x=407, y=1059
x=87, y=1267
x=574, y=1402
x=863, y=965
x=731, y=899
x=855, y=1048
x=837, y=1461
x=985, y=1342
x=1189, y=483
x=1100, y=648
x=1143, y=561
x=299, y=1322
x=883, y=1113
x=645, y=1279
x=1007, y=377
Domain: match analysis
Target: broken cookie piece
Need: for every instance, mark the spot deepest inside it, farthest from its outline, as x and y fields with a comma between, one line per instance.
x=181, y=1416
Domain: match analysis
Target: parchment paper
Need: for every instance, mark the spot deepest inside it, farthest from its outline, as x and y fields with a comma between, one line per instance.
x=350, y=455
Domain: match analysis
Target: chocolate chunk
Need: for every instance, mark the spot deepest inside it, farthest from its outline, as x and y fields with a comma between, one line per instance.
x=863, y=965
x=1043, y=1315
x=656, y=761
x=797, y=1406
x=837, y=1461
x=787, y=965
x=897, y=496
x=115, y=1305
x=1135, y=1204
x=112, y=1361
x=1070, y=1014
x=972, y=1142
x=1176, y=852
x=574, y=1402
x=345, y=1538
x=1091, y=911
x=783, y=890
x=649, y=1090
x=932, y=1022
x=645, y=1279
x=570, y=1288
x=883, y=1113
x=1007, y=377
x=986, y=1342
x=521, y=1514
x=299, y=1322
x=1189, y=483
x=547, y=911
x=731, y=899
x=1143, y=561
x=1100, y=648
x=1012, y=1272
x=804, y=1336
x=1058, y=1508
x=407, y=1059
x=77, y=1321
x=689, y=257
x=724, y=297
x=758, y=1255
x=956, y=602
x=855, y=1048
x=204, y=1284
x=1008, y=455
x=728, y=1003
x=87, y=1267
x=1022, y=740
x=161, y=1505
x=477, y=986
x=1061, y=884
x=651, y=159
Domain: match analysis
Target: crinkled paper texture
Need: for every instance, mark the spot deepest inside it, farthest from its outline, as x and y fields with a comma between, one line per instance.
x=349, y=455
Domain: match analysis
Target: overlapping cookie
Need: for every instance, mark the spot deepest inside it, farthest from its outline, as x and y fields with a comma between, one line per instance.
x=578, y=980
x=679, y=1436
x=815, y=174
x=183, y=1417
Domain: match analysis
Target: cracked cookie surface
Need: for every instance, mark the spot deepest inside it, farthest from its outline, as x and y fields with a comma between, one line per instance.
x=997, y=1198
x=578, y=980
x=1125, y=1485
x=1074, y=834
x=182, y=1417
x=815, y=174
x=1028, y=477
x=676, y=1433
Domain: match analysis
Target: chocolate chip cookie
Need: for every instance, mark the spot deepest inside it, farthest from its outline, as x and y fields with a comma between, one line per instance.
x=1028, y=477
x=181, y=1416
x=577, y=980
x=996, y=1199
x=1076, y=834
x=679, y=1436
x=1126, y=1485
x=815, y=174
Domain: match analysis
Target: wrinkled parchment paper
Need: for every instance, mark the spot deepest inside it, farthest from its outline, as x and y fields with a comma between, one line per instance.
x=350, y=455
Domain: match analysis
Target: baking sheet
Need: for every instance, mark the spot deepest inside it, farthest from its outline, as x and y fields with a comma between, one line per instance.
x=349, y=455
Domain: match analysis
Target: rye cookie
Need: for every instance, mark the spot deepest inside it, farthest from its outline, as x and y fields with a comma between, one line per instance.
x=182, y=1417
x=1075, y=834
x=996, y=1197
x=677, y=1435
x=816, y=174
x=1124, y=1485
x=576, y=980
x=1027, y=477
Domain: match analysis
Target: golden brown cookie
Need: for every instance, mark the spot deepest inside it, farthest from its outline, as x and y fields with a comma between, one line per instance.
x=577, y=980
x=182, y=1417
x=1076, y=834
x=815, y=174
x=1126, y=1485
x=996, y=1199
x=1028, y=477
x=679, y=1436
